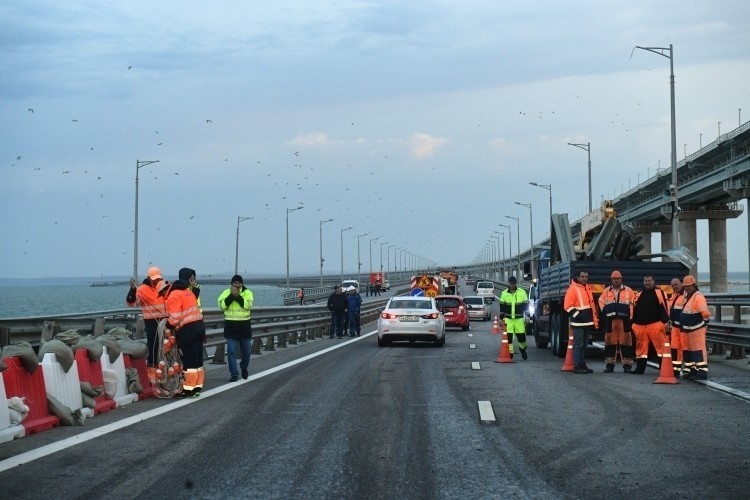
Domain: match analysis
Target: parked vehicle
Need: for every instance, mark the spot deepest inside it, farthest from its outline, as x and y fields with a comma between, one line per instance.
x=449, y=282
x=454, y=309
x=347, y=283
x=486, y=289
x=478, y=307
x=413, y=319
x=379, y=279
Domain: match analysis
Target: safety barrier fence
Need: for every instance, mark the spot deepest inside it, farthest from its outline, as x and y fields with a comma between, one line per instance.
x=273, y=328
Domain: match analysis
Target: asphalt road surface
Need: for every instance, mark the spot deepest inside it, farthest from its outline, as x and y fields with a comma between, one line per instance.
x=347, y=419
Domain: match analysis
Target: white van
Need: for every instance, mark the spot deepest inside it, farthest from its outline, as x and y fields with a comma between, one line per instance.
x=486, y=289
x=347, y=283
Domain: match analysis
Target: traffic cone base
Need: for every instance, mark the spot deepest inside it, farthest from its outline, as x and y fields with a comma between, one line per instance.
x=568, y=365
x=503, y=356
x=666, y=372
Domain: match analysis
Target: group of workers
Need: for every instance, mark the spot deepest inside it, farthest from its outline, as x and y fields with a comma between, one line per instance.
x=632, y=321
x=645, y=317
x=345, y=307
x=179, y=304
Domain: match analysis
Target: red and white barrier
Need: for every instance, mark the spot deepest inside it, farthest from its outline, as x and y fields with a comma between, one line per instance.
x=116, y=370
x=30, y=387
x=64, y=387
x=7, y=431
x=91, y=372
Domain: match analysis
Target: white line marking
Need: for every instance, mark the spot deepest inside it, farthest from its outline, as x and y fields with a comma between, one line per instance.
x=475, y=365
x=470, y=334
x=472, y=346
x=49, y=449
x=485, y=411
x=720, y=387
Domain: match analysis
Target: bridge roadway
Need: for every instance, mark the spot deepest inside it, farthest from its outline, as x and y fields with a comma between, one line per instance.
x=347, y=419
x=710, y=183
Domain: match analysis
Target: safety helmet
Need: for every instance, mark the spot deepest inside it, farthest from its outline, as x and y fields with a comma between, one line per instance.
x=615, y=274
x=688, y=280
x=154, y=273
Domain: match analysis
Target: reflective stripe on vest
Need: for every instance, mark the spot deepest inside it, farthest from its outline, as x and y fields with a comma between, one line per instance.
x=152, y=305
x=508, y=303
x=675, y=309
x=691, y=317
x=585, y=316
x=613, y=306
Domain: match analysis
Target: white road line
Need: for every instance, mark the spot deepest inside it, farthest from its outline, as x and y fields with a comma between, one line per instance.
x=470, y=334
x=472, y=346
x=720, y=387
x=49, y=449
x=486, y=415
x=475, y=365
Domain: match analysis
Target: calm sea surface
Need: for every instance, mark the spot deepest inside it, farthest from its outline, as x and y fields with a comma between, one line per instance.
x=21, y=301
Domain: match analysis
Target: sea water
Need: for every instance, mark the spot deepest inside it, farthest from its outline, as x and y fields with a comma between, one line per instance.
x=54, y=299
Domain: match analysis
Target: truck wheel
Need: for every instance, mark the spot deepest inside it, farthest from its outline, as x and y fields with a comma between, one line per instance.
x=558, y=348
x=541, y=342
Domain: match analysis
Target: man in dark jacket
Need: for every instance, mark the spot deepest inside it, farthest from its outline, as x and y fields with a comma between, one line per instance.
x=337, y=304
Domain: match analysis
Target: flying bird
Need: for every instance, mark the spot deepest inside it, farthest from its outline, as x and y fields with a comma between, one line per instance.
x=176, y=173
x=74, y=121
x=31, y=109
x=192, y=217
x=130, y=67
x=209, y=121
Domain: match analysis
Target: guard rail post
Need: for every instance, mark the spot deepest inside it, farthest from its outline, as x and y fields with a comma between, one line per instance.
x=717, y=347
x=98, y=327
x=4, y=335
x=140, y=327
x=737, y=352
x=218, y=357
x=292, y=336
x=257, y=344
x=270, y=344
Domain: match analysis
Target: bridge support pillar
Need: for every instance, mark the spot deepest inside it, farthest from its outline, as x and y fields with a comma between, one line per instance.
x=666, y=244
x=646, y=242
x=689, y=239
x=717, y=255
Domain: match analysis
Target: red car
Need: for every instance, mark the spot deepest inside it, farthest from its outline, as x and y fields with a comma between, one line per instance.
x=454, y=309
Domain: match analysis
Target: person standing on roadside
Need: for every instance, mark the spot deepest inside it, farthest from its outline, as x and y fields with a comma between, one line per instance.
x=581, y=308
x=153, y=307
x=649, y=320
x=513, y=303
x=616, y=304
x=186, y=321
x=694, y=322
x=354, y=303
x=301, y=296
x=329, y=305
x=236, y=302
x=677, y=338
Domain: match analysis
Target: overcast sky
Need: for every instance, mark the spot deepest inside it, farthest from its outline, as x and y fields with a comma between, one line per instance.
x=418, y=123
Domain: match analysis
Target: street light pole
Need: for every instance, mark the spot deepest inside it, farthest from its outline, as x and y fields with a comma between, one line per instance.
x=343, y=230
x=138, y=165
x=518, y=242
x=586, y=147
x=381, y=254
x=531, y=233
x=388, y=265
x=237, y=242
x=288, y=211
x=548, y=187
x=662, y=51
x=371, y=240
x=359, y=260
x=321, y=249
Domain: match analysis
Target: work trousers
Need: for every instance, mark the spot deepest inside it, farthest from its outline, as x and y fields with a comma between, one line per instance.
x=354, y=326
x=580, y=341
x=515, y=327
x=616, y=339
x=150, y=326
x=677, y=343
x=654, y=333
x=695, y=355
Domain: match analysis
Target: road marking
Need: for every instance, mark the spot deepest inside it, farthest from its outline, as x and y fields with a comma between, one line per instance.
x=43, y=451
x=470, y=334
x=475, y=365
x=472, y=346
x=486, y=415
x=720, y=387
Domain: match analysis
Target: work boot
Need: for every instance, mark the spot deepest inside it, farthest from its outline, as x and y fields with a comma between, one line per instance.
x=523, y=354
x=580, y=369
x=511, y=355
x=609, y=368
x=588, y=370
x=640, y=366
x=627, y=369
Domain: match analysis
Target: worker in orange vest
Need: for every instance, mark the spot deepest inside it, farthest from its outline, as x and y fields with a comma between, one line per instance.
x=186, y=321
x=677, y=338
x=616, y=303
x=581, y=308
x=153, y=308
x=693, y=321
x=650, y=317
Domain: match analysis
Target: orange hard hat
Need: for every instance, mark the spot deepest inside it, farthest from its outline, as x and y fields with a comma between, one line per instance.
x=615, y=274
x=688, y=280
x=154, y=273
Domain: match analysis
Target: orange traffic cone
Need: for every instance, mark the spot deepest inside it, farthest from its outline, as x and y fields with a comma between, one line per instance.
x=666, y=372
x=495, y=327
x=503, y=355
x=568, y=364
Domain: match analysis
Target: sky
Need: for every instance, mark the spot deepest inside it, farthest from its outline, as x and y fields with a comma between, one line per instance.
x=415, y=124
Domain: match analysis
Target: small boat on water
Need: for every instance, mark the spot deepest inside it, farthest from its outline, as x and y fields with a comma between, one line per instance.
x=101, y=283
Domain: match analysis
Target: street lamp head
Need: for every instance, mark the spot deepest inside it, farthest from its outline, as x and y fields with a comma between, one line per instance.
x=324, y=221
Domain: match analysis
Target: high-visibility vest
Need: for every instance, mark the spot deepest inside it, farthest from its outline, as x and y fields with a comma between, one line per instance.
x=617, y=303
x=694, y=312
x=235, y=311
x=675, y=308
x=182, y=307
x=509, y=302
x=152, y=304
x=579, y=304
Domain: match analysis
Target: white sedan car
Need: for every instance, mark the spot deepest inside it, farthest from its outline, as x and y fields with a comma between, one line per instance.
x=413, y=319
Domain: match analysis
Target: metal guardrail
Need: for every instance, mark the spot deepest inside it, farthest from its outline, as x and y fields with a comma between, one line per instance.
x=272, y=326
